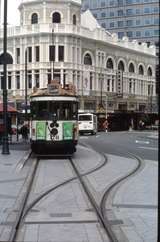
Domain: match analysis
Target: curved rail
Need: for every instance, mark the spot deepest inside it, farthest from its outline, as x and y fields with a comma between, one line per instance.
x=108, y=191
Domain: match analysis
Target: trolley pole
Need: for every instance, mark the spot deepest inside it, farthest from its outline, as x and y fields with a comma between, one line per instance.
x=26, y=83
x=5, y=144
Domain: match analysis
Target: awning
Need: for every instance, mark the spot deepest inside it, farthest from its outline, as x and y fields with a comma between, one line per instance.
x=10, y=109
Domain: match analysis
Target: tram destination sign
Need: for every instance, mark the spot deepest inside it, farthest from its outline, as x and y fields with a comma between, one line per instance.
x=53, y=89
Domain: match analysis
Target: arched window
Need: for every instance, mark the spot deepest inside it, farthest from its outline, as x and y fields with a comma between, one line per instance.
x=9, y=59
x=141, y=71
x=34, y=18
x=56, y=17
x=131, y=68
x=109, y=63
x=87, y=59
x=74, y=20
x=121, y=66
x=149, y=71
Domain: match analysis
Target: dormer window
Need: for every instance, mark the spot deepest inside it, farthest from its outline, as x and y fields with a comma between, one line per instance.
x=34, y=18
x=56, y=17
x=74, y=20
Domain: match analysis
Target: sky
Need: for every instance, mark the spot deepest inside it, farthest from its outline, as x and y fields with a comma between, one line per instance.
x=13, y=12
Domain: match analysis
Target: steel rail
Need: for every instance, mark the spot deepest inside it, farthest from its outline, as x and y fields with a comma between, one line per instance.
x=97, y=209
x=19, y=217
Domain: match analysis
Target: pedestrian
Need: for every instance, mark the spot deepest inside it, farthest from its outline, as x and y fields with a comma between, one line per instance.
x=105, y=125
x=141, y=125
x=24, y=131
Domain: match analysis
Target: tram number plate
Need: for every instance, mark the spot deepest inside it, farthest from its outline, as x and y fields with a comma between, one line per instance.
x=55, y=137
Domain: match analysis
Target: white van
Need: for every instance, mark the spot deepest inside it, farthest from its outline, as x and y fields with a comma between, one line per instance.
x=87, y=123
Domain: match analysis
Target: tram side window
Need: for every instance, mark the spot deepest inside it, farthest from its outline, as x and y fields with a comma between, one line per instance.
x=74, y=110
x=66, y=113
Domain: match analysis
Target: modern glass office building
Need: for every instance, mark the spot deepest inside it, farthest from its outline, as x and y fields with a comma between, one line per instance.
x=137, y=19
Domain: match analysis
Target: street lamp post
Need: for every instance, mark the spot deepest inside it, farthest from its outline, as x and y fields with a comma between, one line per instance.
x=5, y=145
x=26, y=83
x=53, y=53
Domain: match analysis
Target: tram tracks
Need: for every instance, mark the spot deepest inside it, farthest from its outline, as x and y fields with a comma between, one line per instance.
x=100, y=210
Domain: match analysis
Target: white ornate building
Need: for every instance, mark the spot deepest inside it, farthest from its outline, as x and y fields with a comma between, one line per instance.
x=56, y=36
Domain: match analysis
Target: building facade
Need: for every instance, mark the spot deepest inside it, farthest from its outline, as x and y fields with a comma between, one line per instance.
x=137, y=19
x=61, y=43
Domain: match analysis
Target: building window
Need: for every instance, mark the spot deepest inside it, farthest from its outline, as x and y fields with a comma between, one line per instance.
x=87, y=59
x=112, y=25
x=146, y=10
x=17, y=80
x=141, y=70
x=103, y=15
x=17, y=55
x=120, y=12
x=36, y=77
x=138, y=22
x=156, y=21
x=156, y=10
x=129, y=34
x=131, y=68
x=111, y=14
x=120, y=35
x=156, y=32
x=138, y=34
x=60, y=53
x=34, y=18
x=129, y=22
x=9, y=80
x=129, y=1
x=121, y=66
x=56, y=17
x=120, y=2
x=109, y=63
x=74, y=20
x=149, y=71
x=95, y=15
x=51, y=53
x=111, y=3
x=91, y=80
x=29, y=79
x=129, y=12
x=147, y=21
x=29, y=54
x=102, y=4
x=49, y=76
x=120, y=23
x=138, y=11
x=37, y=53
x=103, y=25
x=108, y=85
x=147, y=33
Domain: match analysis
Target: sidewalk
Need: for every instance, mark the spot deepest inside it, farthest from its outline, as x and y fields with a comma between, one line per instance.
x=12, y=180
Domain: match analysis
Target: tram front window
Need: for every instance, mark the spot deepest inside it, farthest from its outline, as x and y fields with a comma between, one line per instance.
x=62, y=110
x=40, y=110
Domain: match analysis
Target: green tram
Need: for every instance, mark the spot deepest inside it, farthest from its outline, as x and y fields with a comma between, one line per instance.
x=54, y=122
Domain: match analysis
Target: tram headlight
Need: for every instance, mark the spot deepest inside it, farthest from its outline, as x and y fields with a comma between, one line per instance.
x=54, y=131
